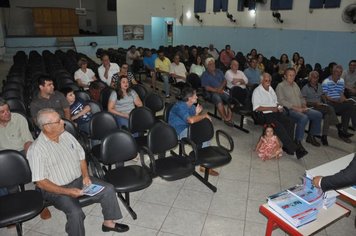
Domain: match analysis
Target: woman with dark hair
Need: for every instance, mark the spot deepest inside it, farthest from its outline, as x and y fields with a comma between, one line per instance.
x=123, y=101
x=197, y=67
x=260, y=65
x=283, y=64
x=300, y=69
x=252, y=54
x=295, y=59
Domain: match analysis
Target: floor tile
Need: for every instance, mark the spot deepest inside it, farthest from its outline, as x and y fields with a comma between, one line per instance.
x=221, y=226
x=161, y=193
x=193, y=200
x=227, y=205
x=178, y=220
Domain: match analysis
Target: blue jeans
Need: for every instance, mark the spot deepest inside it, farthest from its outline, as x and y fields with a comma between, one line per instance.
x=3, y=192
x=121, y=121
x=166, y=83
x=301, y=120
x=184, y=134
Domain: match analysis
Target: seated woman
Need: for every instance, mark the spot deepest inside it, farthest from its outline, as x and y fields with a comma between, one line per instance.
x=236, y=81
x=283, y=64
x=84, y=76
x=123, y=72
x=197, y=67
x=123, y=101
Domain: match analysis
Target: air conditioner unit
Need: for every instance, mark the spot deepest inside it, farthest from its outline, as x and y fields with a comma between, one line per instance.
x=81, y=11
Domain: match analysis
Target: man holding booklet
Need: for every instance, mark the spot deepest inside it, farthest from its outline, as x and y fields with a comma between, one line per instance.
x=60, y=171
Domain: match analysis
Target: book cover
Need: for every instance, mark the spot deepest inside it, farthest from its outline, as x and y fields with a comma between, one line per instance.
x=308, y=193
x=292, y=208
x=92, y=189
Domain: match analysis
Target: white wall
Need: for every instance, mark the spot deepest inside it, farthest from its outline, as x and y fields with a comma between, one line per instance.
x=299, y=18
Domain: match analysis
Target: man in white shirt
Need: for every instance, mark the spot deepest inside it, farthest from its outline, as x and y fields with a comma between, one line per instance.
x=177, y=70
x=131, y=55
x=350, y=79
x=107, y=69
x=236, y=81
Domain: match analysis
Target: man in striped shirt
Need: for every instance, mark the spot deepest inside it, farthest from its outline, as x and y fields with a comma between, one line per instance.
x=60, y=171
x=333, y=88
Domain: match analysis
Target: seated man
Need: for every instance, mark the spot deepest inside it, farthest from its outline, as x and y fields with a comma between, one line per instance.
x=178, y=71
x=313, y=94
x=149, y=63
x=264, y=100
x=48, y=98
x=132, y=55
x=226, y=56
x=184, y=113
x=123, y=72
x=289, y=95
x=236, y=79
x=350, y=79
x=107, y=69
x=162, y=65
x=60, y=172
x=252, y=73
x=333, y=88
x=214, y=82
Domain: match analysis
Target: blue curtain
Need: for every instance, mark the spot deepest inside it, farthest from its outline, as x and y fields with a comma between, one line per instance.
x=281, y=5
x=199, y=6
x=332, y=3
x=314, y=4
x=220, y=5
x=240, y=5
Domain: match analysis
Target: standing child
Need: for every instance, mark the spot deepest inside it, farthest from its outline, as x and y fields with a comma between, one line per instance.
x=80, y=112
x=269, y=147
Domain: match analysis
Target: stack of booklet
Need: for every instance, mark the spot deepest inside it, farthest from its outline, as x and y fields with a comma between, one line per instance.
x=298, y=205
x=329, y=199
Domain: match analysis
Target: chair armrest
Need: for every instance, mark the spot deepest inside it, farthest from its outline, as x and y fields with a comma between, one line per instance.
x=145, y=150
x=219, y=133
x=186, y=141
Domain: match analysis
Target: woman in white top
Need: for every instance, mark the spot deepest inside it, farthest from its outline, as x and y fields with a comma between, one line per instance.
x=236, y=81
x=197, y=67
x=123, y=101
x=84, y=76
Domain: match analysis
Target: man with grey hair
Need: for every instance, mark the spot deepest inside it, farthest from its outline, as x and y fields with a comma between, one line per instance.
x=333, y=88
x=60, y=171
x=214, y=82
x=314, y=96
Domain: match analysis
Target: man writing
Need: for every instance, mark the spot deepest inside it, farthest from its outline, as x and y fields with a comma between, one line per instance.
x=60, y=171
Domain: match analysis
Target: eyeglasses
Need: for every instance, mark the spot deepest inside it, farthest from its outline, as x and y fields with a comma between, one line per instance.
x=52, y=123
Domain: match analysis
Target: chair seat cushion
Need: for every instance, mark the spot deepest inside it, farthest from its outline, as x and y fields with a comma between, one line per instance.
x=211, y=157
x=19, y=207
x=129, y=178
x=173, y=168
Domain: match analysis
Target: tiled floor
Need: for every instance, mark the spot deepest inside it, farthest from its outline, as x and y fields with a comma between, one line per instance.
x=187, y=207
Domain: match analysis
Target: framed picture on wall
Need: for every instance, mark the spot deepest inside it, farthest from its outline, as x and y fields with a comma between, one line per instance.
x=133, y=32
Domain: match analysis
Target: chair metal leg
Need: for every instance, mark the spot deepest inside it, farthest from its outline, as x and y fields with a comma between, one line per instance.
x=240, y=127
x=126, y=201
x=19, y=229
x=205, y=179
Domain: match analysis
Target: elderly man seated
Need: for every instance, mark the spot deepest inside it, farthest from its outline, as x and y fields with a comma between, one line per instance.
x=289, y=95
x=264, y=101
x=60, y=172
x=214, y=82
x=236, y=81
x=313, y=94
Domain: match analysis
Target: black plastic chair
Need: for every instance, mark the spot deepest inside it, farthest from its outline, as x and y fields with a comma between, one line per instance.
x=207, y=157
x=12, y=93
x=16, y=105
x=82, y=95
x=95, y=106
x=104, y=97
x=119, y=147
x=154, y=102
x=162, y=138
x=140, y=90
x=167, y=110
x=23, y=205
x=141, y=120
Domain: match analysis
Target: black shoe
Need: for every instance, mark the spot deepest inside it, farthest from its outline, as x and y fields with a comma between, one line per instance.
x=311, y=139
x=324, y=140
x=300, y=153
x=120, y=228
x=299, y=145
x=344, y=138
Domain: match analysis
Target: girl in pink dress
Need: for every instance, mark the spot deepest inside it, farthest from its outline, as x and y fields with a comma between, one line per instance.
x=269, y=147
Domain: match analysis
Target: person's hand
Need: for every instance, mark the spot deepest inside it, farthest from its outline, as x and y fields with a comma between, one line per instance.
x=235, y=81
x=207, y=116
x=86, y=181
x=275, y=109
x=342, y=99
x=74, y=192
x=220, y=91
x=198, y=109
x=316, y=181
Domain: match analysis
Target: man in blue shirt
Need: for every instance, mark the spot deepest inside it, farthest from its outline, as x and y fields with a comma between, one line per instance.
x=184, y=113
x=214, y=82
x=252, y=73
x=149, y=63
x=333, y=88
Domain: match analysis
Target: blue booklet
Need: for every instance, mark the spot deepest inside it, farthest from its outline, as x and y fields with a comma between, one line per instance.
x=308, y=193
x=92, y=189
x=292, y=208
